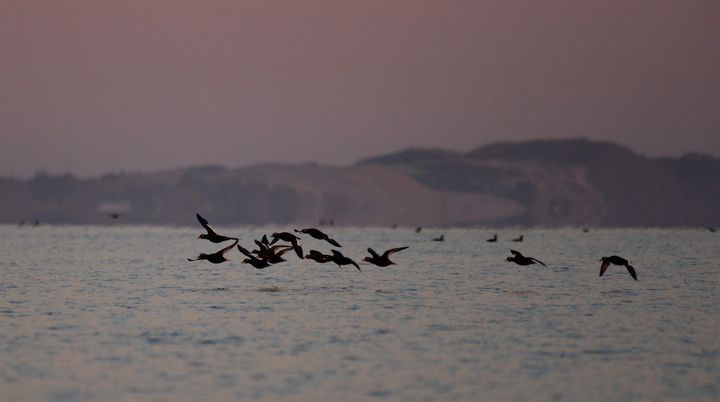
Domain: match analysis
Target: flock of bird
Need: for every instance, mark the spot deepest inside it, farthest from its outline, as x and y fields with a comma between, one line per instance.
x=269, y=253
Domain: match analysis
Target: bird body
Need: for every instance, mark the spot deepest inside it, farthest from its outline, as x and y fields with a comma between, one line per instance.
x=290, y=238
x=215, y=258
x=520, y=259
x=384, y=259
x=318, y=257
x=318, y=234
x=616, y=260
x=211, y=235
x=339, y=259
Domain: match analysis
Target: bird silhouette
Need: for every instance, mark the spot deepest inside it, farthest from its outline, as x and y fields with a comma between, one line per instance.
x=615, y=260
x=215, y=258
x=318, y=257
x=384, y=259
x=339, y=259
x=211, y=235
x=492, y=239
x=290, y=238
x=520, y=259
x=318, y=234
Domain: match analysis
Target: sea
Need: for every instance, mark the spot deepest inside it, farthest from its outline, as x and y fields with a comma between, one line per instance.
x=117, y=313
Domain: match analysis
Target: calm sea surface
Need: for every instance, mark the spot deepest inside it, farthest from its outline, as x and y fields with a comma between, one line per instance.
x=117, y=313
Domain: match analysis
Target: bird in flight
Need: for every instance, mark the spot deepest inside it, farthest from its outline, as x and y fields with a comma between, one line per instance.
x=384, y=259
x=615, y=260
x=211, y=234
x=215, y=258
x=318, y=234
x=520, y=259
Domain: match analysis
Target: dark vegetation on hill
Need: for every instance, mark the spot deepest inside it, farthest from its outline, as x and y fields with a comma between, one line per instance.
x=545, y=183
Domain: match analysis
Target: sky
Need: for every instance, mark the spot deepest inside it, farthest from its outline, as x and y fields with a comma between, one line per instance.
x=95, y=87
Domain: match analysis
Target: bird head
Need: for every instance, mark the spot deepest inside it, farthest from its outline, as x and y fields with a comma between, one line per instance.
x=508, y=259
x=202, y=236
x=367, y=259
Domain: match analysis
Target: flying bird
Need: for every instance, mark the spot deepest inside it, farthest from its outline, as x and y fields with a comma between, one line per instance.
x=318, y=234
x=384, y=259
x=615, y=260
x=215, y=258
x=290, y=238
x=339, y=259
x=319, y=257
x=211, y=234
x=520, y=259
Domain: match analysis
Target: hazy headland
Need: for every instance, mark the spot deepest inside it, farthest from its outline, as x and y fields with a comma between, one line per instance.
x=548, y=183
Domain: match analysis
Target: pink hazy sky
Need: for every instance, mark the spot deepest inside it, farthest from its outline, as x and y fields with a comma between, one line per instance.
x=92, y=87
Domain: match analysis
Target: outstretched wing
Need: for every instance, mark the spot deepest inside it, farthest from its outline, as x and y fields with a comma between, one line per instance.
x=355, y=264
x=205, y=224
x=632, y=271
x=538, y=261
x=226, y=249
x=604, y=267
x=392, y=251
x=245, y=252
x=373, y=253
x=517, y=254
x=333, y=242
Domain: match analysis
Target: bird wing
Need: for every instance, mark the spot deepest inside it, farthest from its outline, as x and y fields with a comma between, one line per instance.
x=632, y=271
x=517, y=253
x=538, y=261
x=205, y=224
x=392, y=251
x=373, y=253
x=355, y=264
x=333, y=242
x=604, y=267
x=337, y=254
x=245, y=252
x=226, y=249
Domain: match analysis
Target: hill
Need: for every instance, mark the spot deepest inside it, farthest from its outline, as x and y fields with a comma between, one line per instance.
x=542, y=183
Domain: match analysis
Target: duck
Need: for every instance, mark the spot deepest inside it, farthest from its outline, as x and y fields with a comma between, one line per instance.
x=440, y=238
x=616, y=260
x=339, y=259
x=215, y=258
x=518, y=239
x=318, y=257
x=520, y=259
x=290, y=238
x=384, y=259
x=492, y=239
x=318, y=234
x=211, y=235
